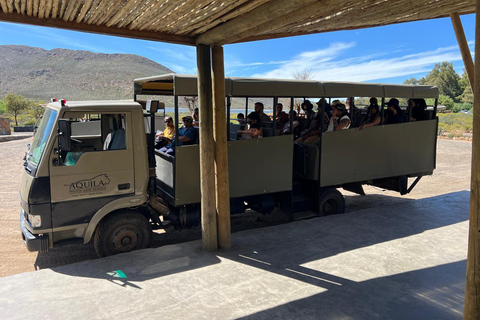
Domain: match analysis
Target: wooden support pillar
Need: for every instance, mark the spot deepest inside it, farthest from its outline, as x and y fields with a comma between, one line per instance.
x=207, y=149
x=464, y=49
x=222, y=192
x=472, y=288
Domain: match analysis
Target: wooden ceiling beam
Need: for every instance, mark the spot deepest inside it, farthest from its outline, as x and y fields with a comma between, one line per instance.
x=121, y=32
x=266, y=12
x=325, y=9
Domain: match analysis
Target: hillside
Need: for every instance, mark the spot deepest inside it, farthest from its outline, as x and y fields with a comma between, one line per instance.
x=73, y=75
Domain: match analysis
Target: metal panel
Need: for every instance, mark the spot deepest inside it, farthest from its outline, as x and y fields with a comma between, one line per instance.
x=246, y=87
x=378, y=152
x=164, y=171
x=260, y=166
x=338, y=89
x=425, y=92
x=367, y=90
x=268, y=163
x=398, y=91
x=187, y=176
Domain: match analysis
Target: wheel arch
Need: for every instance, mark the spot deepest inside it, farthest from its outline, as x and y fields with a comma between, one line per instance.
x=118, y=204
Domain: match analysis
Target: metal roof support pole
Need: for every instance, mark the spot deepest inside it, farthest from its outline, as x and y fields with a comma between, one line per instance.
x=207, y=149
x=222, y=192
x=463, y=45
x=472, y=287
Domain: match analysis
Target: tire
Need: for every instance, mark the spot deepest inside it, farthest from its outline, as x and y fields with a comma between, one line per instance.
x=330, y=201
x=122, y=232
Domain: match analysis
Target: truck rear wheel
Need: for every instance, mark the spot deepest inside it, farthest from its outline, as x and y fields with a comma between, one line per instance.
x=122, y=232
x=330, y=202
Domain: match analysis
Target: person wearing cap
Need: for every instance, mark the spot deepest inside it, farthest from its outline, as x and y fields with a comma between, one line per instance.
x=186, y=135
x=394, y=114
x=339, y=119
x=165, y=137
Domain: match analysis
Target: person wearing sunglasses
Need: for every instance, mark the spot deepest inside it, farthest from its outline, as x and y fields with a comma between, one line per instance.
x=186, y=135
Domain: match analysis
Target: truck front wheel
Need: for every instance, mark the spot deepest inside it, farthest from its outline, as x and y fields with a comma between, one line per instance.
x=122, y=232
x=330, y=202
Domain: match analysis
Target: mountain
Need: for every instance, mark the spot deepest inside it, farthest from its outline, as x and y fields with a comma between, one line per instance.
x=41, y=74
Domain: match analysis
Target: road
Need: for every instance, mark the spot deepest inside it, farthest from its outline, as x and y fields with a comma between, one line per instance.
x=452, y=175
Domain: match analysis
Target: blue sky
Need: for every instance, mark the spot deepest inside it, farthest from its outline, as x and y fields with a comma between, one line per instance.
x=387, y=54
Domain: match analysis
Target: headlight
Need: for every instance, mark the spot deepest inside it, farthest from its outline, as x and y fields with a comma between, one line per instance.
x=35, y=221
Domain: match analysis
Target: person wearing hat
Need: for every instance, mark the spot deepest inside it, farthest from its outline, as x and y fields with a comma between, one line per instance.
x=339, y=119
x=186, y=135
x=394, y=113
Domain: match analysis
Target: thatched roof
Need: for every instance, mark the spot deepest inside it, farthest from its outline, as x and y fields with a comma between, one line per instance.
x=222, y=21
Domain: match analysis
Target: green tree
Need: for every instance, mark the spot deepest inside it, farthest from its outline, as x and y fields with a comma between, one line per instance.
x=16, y=105
x=445, y=78
x=446, y=101
x=2, y=107
x=467, y=93
x=412, y=81
x=35, y=111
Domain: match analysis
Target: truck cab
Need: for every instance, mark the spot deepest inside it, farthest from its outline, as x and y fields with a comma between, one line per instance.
x=87, y=160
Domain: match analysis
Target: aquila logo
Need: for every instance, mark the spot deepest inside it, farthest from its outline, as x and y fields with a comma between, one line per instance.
x=98, y=183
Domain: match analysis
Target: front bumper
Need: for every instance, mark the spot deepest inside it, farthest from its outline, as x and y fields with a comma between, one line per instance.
x=31, y=241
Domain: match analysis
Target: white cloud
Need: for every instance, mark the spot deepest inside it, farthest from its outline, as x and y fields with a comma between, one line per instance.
x=327, y=64
x=181, y=59
x=52, y=35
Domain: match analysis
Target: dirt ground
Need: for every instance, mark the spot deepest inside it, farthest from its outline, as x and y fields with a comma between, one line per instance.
x=451, y=175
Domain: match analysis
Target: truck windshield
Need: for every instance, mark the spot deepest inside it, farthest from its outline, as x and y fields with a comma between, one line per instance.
x=42, y=135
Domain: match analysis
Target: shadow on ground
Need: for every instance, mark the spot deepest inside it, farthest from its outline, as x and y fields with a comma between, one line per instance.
x=431, y=293
x=288, y=246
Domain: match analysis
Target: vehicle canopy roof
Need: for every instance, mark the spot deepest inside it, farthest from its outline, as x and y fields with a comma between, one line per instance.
x=101, y=106
x=186, y=85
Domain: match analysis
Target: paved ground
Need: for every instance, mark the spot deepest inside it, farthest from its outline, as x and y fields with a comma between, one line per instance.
x=452, y=175
x=400, y=261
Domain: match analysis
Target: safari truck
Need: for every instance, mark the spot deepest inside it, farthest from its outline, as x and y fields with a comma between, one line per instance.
x=92, y=172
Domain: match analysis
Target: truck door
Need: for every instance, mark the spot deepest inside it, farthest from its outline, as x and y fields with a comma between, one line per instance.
x=96, y=168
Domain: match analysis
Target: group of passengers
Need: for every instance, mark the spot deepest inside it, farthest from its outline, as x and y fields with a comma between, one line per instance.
x=187, y=134
x=335, y=117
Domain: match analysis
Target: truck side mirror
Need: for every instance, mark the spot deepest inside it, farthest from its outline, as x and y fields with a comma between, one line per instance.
x=64, y=133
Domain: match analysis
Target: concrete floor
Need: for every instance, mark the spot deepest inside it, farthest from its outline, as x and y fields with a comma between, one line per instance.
x=400, y=261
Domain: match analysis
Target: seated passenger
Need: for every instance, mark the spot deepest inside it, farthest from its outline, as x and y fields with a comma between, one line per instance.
x=255, y=131
x=241, y=120
x=328, y=107
x=187, y=135
x=307, y=108
x=282, y=116
x=393, y=114
x=295, y=123
x=252, y=118
x=259, y=110
x=311, y=134
x=419, y=107
x=165, y=137
x=339, y=119
x=373, y=117
x=195, y=117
